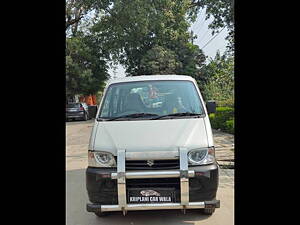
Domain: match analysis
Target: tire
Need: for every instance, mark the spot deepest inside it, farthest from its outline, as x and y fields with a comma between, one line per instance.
x=85, y=118
x=209, y=211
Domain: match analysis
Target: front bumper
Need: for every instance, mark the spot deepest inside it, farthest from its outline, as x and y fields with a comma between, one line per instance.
x=196, y=187
x=102, y=189
x=134, y=207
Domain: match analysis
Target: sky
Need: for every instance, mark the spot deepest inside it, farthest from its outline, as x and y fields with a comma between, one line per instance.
x=200, y=28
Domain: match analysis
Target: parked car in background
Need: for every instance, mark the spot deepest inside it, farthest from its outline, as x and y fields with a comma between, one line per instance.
x=85, y=106
x=77, y=111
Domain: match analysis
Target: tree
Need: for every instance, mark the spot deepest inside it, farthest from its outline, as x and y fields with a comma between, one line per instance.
x=192, y=59
x=85, y=70
x=78, y=10
x=159, y=60
x=86, y=66
x=146, y=37
x=218, y=80
x=131, y=29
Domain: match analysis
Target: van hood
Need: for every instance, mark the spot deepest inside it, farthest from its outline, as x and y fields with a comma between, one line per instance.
x=150, y=135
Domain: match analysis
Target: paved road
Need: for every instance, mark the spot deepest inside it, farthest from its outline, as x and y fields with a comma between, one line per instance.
x=224, y=144
x=76, y=162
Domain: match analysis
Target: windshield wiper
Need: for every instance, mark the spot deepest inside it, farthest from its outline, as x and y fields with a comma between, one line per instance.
x=134, y=115
x=177, y=115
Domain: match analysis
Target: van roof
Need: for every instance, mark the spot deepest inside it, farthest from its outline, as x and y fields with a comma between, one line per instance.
x=150, y=77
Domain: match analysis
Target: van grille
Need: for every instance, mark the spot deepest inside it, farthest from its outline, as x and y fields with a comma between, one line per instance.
x=153, y=182
x=157, y=164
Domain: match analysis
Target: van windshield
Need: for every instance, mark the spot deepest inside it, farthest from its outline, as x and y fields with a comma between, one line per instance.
x=156, y=98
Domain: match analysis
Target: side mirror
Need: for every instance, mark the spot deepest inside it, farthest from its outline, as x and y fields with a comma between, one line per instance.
x=211, y=106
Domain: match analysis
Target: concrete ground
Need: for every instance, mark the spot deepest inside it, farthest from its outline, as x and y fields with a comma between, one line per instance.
x=224, y=145
x=76, y=162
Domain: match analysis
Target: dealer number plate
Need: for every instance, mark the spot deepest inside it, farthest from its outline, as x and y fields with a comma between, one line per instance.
x=151, y=195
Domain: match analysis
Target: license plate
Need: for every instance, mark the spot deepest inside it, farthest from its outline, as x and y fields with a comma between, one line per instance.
x=151, y=195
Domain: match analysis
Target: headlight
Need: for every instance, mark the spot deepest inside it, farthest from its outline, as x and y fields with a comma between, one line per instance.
x=101, y=159
x=201, y=156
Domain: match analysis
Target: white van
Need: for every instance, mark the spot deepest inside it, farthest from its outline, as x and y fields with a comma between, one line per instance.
x=152, y=148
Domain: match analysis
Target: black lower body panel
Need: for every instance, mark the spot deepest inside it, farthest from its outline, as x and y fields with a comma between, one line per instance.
x=103, y=190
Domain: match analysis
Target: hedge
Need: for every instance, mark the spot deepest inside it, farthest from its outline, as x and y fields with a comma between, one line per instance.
x=230, y=126
x=223, y=119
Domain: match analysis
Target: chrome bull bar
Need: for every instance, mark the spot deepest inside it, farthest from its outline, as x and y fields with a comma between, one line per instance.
x=153, y=174
x=150, y=206
x=184, y=174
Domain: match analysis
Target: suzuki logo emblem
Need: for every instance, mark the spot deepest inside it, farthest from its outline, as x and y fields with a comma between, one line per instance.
x=150, y=162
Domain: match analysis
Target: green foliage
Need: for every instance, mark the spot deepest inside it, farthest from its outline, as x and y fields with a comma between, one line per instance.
x=192, y=59
x=85, y=71
x=227, y=102
x=218, y=84
x=223, y=119
x=227, y=112
x=159, y=60
x=146, y=37
x=217, y=80
x=230, y=126
x=86, y=68
x=133, y=28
